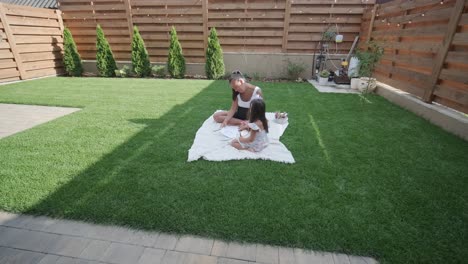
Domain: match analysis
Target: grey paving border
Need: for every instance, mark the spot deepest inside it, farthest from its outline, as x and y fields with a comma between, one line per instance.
x=444, y=117
x=44, y=240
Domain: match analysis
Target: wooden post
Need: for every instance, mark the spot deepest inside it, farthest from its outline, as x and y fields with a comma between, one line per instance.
x=11, y=40
x=395, y=50
x=60, y=20
x=128, y=12
x=244, y=22
x=371, y=24
x=205, y=24
x=287, y=16
x=457, y=12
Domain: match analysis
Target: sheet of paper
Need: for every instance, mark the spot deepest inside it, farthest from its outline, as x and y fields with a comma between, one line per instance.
x=230, y=131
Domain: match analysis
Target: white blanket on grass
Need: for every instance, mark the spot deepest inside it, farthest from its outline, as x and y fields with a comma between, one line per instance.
x=213, y=143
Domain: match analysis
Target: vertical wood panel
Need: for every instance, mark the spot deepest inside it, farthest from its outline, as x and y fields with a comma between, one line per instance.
x=287, y=15
x=11, y=40
x=128, y=12
x=205, y=24
x=371, y=24
x=457, y=12
x=35, y=38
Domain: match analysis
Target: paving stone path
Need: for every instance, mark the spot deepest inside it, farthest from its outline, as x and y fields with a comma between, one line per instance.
x=15, y=118
x=31, y=240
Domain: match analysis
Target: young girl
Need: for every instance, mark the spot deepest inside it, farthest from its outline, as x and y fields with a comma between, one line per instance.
x=258, y=127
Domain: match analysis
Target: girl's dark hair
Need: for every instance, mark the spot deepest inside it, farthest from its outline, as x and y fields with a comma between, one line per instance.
x=257, y=112
x=235, y=75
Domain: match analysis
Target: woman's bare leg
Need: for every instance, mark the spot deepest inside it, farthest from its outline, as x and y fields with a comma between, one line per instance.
x=220, y=116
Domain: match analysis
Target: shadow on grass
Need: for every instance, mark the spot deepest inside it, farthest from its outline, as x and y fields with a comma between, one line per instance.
x=147, y=183
x=367, y=181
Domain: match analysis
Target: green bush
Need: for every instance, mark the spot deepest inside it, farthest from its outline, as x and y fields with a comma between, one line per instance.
x=294, y=70
x=71, y=57
x=369, y=58
x=140, y=59
x=214, y=66
x=104, y=58
x=124, y=72
x=175, y=59
x=158, y=71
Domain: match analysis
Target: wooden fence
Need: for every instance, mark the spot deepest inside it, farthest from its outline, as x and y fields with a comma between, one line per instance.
x=31, y=42
x=289, y=26
x=426, y=48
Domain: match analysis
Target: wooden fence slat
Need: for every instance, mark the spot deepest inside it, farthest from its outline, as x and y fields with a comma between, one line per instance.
x=9, y=73
x=442, y=54
x=205, y=24
x=457, y=95
x=326, y=10
x=256, y=14
x=25, y=11
x=314, y=19
x=250, y=33
x=40, y=56
x=453, y=75
x=460, y=39
x=11, y=40
x=252, y=5
x=287, y=16
x=20, y=30
x=457, y=57
x=162, y=11
x=31, y=21
x=164, y=20
x=6, y=65
x=43, y=65
x=44, y=72
x=39, y=48
x=356, y=2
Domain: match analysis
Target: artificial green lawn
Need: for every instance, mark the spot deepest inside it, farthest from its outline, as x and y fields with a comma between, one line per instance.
x=370, y=178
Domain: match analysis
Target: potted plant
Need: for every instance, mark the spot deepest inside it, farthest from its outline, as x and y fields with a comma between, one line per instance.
x=323, y=77
x=329, y=34
x=368, y=59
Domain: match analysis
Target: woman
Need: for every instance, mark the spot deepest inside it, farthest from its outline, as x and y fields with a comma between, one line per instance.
x=242, y=94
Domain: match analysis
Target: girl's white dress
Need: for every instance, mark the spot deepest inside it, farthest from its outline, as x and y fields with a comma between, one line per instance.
x=260, y=141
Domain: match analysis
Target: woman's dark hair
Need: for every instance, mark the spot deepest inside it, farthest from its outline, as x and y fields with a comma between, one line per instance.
x=234, y=94
x=235, y=75
x=257, y=112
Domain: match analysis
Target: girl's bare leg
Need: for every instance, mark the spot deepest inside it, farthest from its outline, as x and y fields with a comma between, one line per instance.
x=237, y=145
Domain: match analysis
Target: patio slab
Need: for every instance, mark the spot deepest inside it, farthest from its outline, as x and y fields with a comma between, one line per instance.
x=332, y=87
x=15, y=118
x=37, y=242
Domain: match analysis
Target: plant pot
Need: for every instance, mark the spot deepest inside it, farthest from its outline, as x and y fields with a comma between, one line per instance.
x=339, y=38
x=355, y=83
x=323, y=80
x=367, y=85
